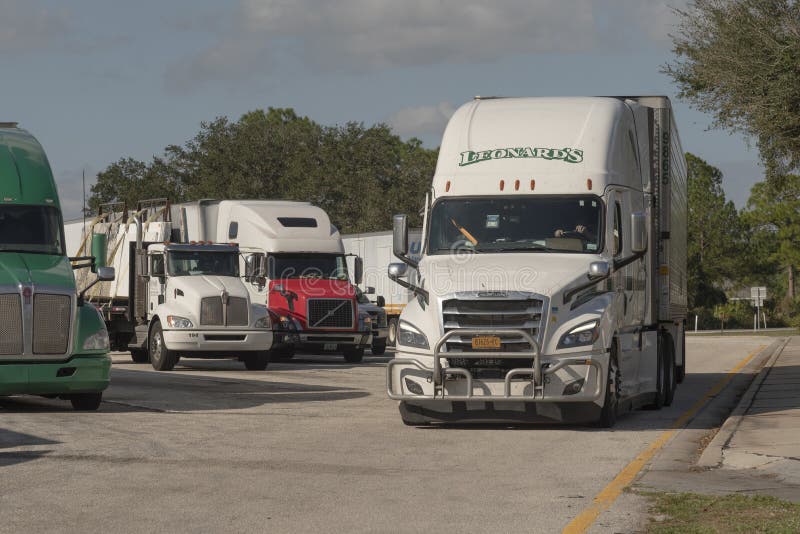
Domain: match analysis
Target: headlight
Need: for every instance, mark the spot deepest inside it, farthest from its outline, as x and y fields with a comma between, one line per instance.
x=97, y=341
x=264, y=322
x=584, y=334
x=175, y=321
x=411, y=336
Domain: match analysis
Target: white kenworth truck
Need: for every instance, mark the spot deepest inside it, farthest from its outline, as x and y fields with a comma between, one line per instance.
x=172, y=298
x=552, y=282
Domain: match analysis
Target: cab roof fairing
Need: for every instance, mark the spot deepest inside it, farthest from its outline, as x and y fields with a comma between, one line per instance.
x=259, y=227
x=474, y=156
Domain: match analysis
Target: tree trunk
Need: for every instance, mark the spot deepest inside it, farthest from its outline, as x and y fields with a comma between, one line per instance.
x=790, y=288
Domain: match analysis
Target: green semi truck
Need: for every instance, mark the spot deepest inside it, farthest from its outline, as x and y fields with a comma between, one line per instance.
x=52, y=343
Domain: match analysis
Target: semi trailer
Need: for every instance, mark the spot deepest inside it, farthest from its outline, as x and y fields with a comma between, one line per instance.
x=552, y=279
x=52, y=343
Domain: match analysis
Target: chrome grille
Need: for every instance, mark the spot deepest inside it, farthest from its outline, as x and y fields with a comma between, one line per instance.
x=211, y=311
x=51, y=317
x=237, y=311
x=494, y=316
x=10, y=324
x=330, y=313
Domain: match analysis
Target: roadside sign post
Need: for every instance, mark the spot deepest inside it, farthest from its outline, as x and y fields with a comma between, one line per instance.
x=757, y=296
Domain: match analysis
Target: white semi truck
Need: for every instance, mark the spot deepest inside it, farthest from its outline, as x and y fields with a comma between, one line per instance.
x=552, y=282
x=375, y=249
x=172, y=298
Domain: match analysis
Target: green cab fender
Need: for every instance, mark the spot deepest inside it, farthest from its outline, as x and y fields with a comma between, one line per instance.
x=91, y=336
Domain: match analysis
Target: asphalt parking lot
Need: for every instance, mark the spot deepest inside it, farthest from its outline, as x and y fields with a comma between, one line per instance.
x=311, y=445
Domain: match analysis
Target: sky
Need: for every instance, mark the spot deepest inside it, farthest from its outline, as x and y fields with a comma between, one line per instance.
x=96, y=81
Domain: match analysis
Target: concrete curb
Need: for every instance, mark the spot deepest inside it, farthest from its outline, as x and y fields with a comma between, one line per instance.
x=712, y=455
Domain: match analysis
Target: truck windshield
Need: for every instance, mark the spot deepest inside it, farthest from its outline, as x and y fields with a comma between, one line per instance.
x=517, y=224
x=189, y=263
x=294, y=265
x=31, y=229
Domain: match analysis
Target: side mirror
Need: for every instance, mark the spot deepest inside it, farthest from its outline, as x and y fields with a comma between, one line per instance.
x=398, y=269
x=400, y=236
x=369, y=290
x=638, y=232
x=380, y=301
x=261, y=271
x=358, y=275
x=250, y=267
x=105, y=274
x=598, y=269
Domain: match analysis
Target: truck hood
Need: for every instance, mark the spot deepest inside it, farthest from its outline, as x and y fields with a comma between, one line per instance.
x=207, y=286
x=37, y=269
x=297, y=291
x=542, y=273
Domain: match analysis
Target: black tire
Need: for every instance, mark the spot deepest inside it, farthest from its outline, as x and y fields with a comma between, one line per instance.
x=161, y=358
x=378, y=347
x=257, y=361
x=353, y=354
x=139, y=356
x=392, y=339
x=410, y=418
x=661, y=391
x=670, y=372
x=86, y=402
x=608, y=415
x=283, y=354
x=680, y=370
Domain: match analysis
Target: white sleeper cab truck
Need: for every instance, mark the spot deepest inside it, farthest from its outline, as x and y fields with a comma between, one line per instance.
x=552, y=282
x=177, y=299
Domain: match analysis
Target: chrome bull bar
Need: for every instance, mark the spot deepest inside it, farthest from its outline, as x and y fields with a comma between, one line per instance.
x=439, y=373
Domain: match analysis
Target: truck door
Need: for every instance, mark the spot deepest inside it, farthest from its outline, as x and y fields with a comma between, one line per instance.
x=157, y=283
x=623, y=284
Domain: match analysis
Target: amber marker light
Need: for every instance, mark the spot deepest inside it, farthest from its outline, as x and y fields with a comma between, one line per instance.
x=516, y=185
x=447, y=187
x=589, y=184
x=502, y=184
x=533, y=185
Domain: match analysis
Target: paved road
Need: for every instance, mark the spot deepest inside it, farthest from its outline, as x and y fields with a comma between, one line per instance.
x=306, y=446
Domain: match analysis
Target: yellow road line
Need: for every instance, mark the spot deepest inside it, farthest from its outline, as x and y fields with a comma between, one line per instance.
x=609, y=494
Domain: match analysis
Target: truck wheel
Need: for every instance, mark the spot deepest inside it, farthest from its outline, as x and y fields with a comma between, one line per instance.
x=392, y=339
x=378, y=347
x=282, y=354
x=353, y=354
x=161, y=358
x=86, y=402
x=139, y=356
x=608, y=415
x=257, y=361
x=670, y=373
x=680, y=370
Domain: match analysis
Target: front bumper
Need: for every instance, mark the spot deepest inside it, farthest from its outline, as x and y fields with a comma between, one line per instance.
x=79, y=374
x=220, y=341
x=416, y=378
x=341, y=339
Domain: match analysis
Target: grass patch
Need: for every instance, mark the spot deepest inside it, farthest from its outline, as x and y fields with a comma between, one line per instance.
x=682, y=513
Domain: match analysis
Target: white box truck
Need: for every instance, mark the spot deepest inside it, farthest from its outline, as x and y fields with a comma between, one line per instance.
x=375, y=249
x=552, y=282
x=171, y=298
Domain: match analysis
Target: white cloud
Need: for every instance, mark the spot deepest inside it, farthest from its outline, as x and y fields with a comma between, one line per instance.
x=422, y=120
x=366, y=35
x=25, y=27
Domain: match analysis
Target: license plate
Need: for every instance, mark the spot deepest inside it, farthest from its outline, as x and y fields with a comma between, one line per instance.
x=486, y=342
x=329, y=346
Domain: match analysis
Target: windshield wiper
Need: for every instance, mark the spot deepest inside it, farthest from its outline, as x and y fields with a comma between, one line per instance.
x=525, y=248
x=460, y=249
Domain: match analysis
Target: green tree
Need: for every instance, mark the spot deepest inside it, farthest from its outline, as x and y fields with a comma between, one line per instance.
x=738, y=60
x=128, y=180
x=774, y=213
x=714, y=235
